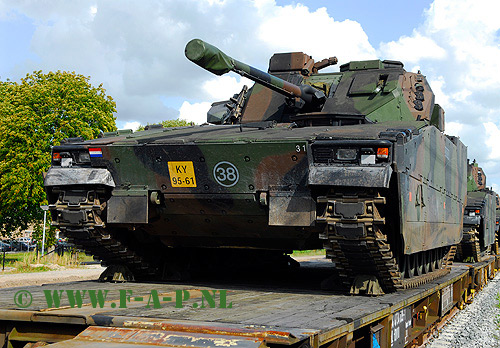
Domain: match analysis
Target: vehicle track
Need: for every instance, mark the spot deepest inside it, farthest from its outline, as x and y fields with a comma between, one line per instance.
x=371, y=252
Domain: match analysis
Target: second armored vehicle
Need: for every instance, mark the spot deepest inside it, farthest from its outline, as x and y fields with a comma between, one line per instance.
x=479, y=231
x=354, y=161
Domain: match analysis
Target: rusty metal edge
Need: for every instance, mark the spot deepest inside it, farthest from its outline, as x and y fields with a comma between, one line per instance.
x=284, y=336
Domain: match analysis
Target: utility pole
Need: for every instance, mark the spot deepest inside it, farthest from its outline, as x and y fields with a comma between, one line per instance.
x=44, y=208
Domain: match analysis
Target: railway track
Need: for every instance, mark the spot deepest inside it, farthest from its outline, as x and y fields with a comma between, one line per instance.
x=476, y=325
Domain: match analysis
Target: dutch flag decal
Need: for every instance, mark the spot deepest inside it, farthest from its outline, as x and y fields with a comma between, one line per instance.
x=95, y=152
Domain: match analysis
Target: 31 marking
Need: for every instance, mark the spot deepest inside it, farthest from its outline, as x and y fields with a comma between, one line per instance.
x=300, y=148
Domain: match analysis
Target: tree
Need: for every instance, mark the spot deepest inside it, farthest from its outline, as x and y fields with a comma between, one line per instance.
x=36, y=114
x=171, y=123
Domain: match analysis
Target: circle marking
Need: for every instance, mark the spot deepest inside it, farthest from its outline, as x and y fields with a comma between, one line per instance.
x=226, y=174
x=23, y=298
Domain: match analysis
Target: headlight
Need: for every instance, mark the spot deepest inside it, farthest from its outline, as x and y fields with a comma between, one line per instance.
x=347, y=154
x=84, y=157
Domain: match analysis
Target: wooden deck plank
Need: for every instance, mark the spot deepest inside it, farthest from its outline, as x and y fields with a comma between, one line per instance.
x=253, y=304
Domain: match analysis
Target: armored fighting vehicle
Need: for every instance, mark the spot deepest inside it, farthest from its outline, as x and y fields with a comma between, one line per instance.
x=354, y=161
x=479, y=229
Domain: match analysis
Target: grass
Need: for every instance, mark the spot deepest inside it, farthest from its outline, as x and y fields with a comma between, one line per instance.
x=24, y=268
x=316, y=252
x=25, y=262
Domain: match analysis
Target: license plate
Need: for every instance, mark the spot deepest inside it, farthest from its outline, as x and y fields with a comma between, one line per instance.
x=182, y=174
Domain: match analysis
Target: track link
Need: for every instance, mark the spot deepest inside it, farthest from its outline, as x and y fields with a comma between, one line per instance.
x=355, y=242
x=79, y=217
x=469, y=246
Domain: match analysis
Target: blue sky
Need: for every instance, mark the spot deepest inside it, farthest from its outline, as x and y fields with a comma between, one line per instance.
x=15, y=38
x=382, y=21
x=136, y=49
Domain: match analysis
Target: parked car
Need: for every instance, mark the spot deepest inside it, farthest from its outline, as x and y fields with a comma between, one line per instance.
x=5, y=246
x=20, y=246
x=26, y=240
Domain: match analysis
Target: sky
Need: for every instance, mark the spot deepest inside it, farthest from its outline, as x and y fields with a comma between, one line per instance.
x=136, y=50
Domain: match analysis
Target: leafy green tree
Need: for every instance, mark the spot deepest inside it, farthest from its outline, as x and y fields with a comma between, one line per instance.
x=171, y=123
x=35, y=114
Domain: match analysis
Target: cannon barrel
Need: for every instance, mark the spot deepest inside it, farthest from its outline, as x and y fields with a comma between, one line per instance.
x=214, y=60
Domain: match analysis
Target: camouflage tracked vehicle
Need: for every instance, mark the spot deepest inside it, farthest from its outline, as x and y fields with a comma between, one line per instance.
x=479, y=230
x=354, y=161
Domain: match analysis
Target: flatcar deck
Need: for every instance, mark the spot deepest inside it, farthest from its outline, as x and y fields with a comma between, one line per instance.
x=254, y=315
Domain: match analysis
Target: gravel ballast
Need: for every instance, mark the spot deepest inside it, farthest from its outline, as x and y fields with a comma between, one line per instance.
x=476, y=325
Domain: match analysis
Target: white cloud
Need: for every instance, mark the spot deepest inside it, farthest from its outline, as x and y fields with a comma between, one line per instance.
x=413, y=49
x=196, y=112
x=462, y=95
x=437, y=84
x=454, y=128
x=217, y=88
x=223, y=87
x=134, y=125
x=492, y=140
x=276, y=33
x=495, y=187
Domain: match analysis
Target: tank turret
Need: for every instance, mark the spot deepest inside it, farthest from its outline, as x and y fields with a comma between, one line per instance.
x=295, y=92
x=476, y=179
x=214, y=60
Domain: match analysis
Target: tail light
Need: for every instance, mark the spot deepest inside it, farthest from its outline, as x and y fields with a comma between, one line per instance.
x=383, y=152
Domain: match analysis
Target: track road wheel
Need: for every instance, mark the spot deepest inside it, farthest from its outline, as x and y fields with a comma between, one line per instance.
x=427, y=256
x=402, y=261
x=410, y=269
x=116, y=273
x=433, y=257
x=419, y=264
x=439, y=259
